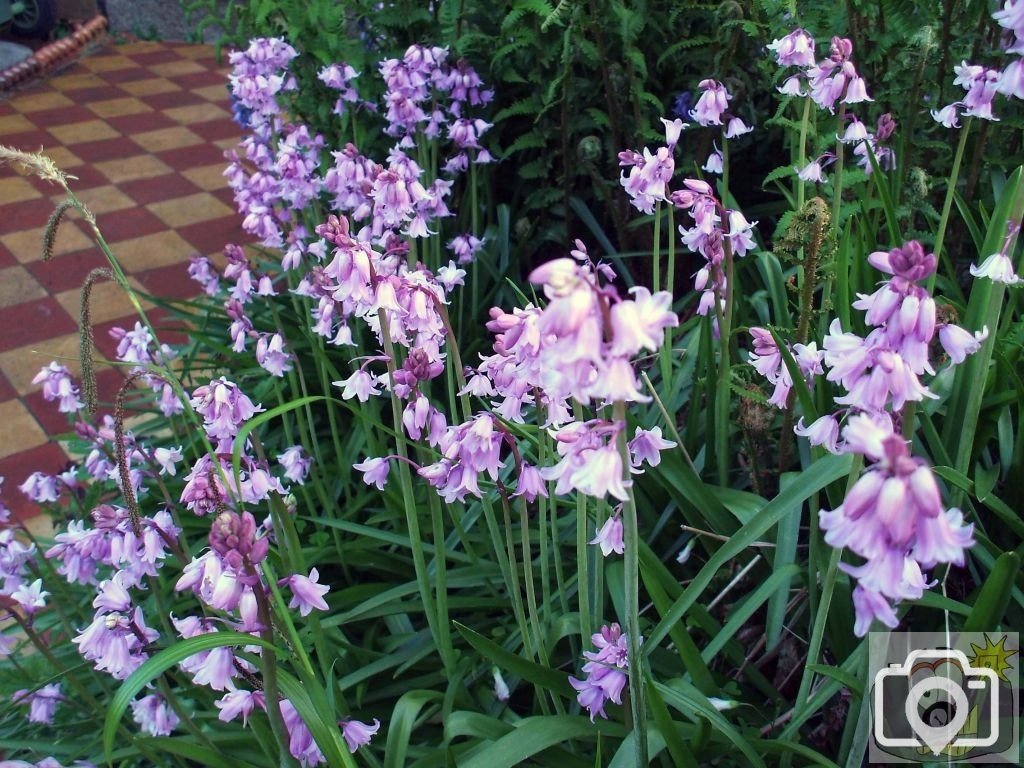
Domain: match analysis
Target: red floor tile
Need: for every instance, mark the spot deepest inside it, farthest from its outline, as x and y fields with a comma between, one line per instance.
x=172, y=99
x=194, y=156
x=51, y=118
x=140, y=123
x=164, y=56
x=107, y=149
x=201, y=80
x=62, y=273
x=28, y=214
x=15, y=469
x=170, y=282
x=215, y=130
x=50, y=419
x=33, y=321
x=7, y=391
x=158, y=188
x=86, y=177
x=127, y=75
x=128, y=223
x=210, y=237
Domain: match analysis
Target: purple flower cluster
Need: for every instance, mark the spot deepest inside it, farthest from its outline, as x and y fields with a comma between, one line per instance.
x=881, y=518
x=980, y=83
x=606, y=670
x=892, y=518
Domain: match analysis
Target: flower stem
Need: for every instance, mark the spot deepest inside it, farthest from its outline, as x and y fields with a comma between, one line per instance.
x=947, y=206
x=631, y=557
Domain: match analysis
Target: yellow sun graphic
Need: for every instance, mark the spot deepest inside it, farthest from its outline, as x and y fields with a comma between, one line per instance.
x=994, y=656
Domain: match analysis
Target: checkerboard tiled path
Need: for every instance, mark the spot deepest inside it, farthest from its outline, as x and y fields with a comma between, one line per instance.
x=144, y=127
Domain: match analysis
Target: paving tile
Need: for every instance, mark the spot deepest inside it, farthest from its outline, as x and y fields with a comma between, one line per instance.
x=202, y=153
x=102, y=199
x=16, y=190
x=17, y=285
x=7, y=391
x=107, y=149
x=184, y=211
x=76, y=81
x=151, y=251
x=19, y=424
x=49, y=458
x=63, y=157
x=216, y=130
x=67, y=271
x=134, y=49
x=143, y=121
x=36, y=321
x=130, y=168
x=107, y=302
x=208, y=177
x=197, y=113
x=20, y=364
x=166, y=138
x=203, y=79
x=126, y=105
x=27, y=213
x=214, y=92
x=171, y=99
x=107, y=63
x=158, y=54
x=34, y=102
x=15, y=124
x=157, y=188
x=176, y=69
x=193, y=51
x=76, y=113
x=78, y=133
x=27, y=244
x=210, y=237
x=170, y=282
x=126, y=224
x=150, y=87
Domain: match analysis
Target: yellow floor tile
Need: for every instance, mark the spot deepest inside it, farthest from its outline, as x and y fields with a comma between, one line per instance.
x=27, y=245
x=226, y=144
x=107, y=63
x=140, y=46
x=102, y=199
x=21, y=430
x=15, y=124
x=212, y=92
x=63, y=157
x=20, y=365
x=208, y=177
x=166, y=138
x=131, y=168
x=119, y=107
x=41, y=527
x=196, y=113
x=197, y=51
x=76, y=82
x=151, y=251
x=18, y=286
x=182, y=211
x=79, y=133
x=150, y=87
x=34, y=102
x=177, y=68
x=16, y=189
x=107, y=302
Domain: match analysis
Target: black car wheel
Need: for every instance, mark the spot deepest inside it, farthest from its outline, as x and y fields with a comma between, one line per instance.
x=38, y=18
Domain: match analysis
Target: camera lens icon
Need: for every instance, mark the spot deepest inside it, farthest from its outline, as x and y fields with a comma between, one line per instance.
x=938, y=689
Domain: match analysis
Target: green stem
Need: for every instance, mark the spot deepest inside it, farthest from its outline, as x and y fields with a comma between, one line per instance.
x=656, y=255
x=408, y=496
x=947, y=206
x=801, y=158
x=631, y=539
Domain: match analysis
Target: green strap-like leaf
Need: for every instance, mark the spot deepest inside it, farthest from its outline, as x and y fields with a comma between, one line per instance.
x=156, y=665
x=558, y=682
x=991, y=602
